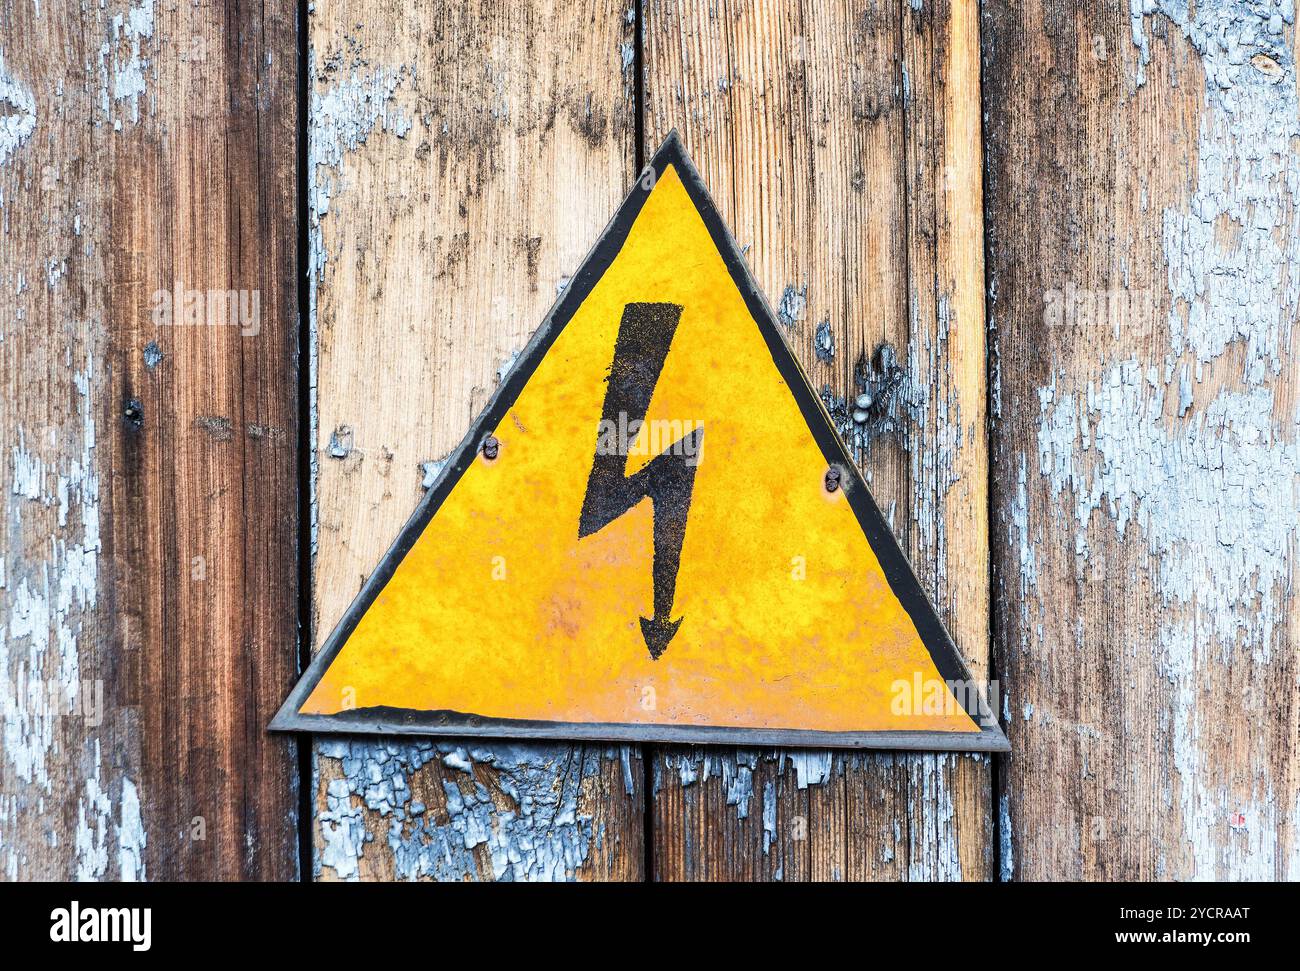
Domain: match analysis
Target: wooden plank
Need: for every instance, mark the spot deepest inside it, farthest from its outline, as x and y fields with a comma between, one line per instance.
x=148, y=563
x=464, y=156
x=1144, y=247
x=842, y=146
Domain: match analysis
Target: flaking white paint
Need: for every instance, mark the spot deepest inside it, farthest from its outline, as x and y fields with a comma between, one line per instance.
x=130, y=835
x=124, y=62
x=1189, y=455
x=54, y=509
x=1234, y=287
x=544, y=833
x=1231, y=826
x=18, y=119
x=930, y=839
x=346, y=107
x=94, y=817
x=1216, y=496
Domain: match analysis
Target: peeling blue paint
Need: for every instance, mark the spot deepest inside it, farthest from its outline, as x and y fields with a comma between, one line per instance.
x=543, y=832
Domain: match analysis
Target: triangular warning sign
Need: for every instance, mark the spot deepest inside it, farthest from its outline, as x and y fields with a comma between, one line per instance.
x=652, y=533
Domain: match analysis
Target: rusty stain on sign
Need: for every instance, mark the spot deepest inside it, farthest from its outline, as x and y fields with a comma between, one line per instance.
x=652, y=533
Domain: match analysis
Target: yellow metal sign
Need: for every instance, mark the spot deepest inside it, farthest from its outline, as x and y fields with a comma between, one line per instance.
x=652, y=533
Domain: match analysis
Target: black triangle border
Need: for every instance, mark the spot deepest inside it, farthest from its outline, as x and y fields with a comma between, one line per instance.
x=898, y=572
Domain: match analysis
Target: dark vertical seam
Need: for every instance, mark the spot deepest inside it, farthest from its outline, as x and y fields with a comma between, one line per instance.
x=906, y=761
x=942, y=346
x=305, y=446
x=990, y=363
x=647, y=752
x=245, y=452
x=901, y=80
x=638, y=83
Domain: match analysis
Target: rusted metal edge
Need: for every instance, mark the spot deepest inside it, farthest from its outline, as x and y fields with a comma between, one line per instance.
x=398, y=721
x=898, y=572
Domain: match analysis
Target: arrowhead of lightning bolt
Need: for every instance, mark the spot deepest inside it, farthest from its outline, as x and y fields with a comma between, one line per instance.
x=658, y=633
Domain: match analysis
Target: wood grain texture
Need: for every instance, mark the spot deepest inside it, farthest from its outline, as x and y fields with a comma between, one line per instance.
x=841, y=144
x=464, y=157
x=1143, y=476
x=148, y=556
x=1143, y=246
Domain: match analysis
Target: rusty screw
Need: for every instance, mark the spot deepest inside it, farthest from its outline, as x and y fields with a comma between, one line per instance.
x=133, y=412
x=832, y=479
x=490, y=447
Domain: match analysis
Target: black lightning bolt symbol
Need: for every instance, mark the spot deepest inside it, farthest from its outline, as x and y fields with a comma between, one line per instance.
x=644, y=336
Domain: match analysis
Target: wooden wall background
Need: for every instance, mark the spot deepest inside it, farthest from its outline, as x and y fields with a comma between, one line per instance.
x=1074, y=225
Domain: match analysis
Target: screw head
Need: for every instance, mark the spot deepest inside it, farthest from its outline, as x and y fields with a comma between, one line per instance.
x=491, y=447
x=832, y=479
x=133, y=412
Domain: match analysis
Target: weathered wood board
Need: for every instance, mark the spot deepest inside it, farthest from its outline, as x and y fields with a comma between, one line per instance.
x=1143, y=242
x=1120, y=440
x=148, y=555
x=463, y=159
x=842, y=144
